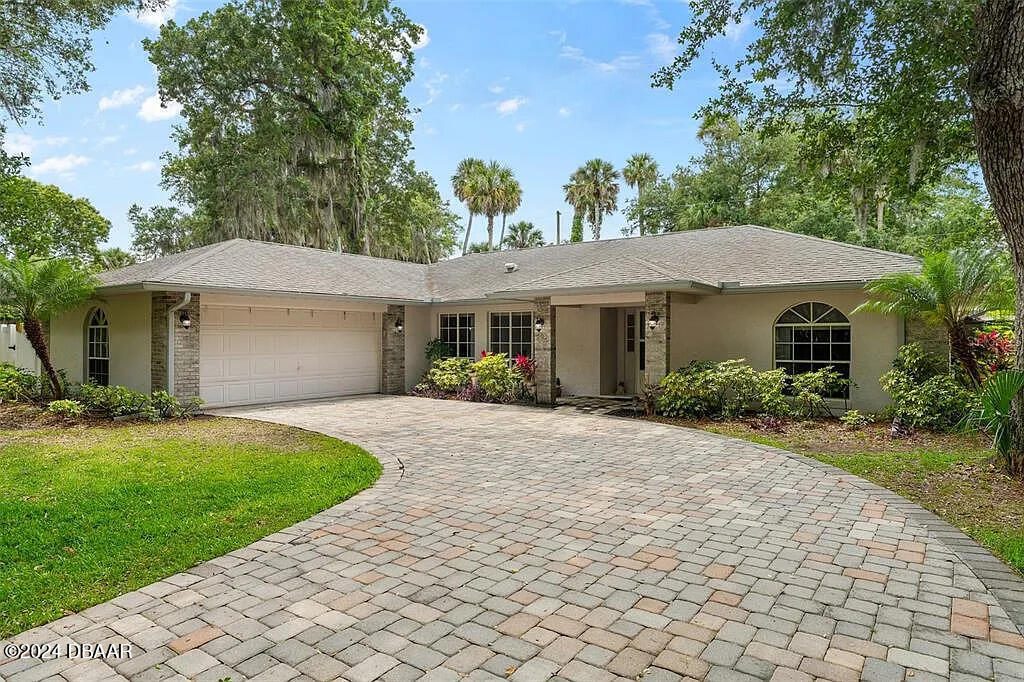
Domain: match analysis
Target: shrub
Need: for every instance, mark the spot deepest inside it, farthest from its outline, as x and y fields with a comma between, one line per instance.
x=450, y=374
x=729, y=389
x=18, y=384
x=923, y=394
x=425, y=389
x=437, y=349
x=854, y=419
x=472, y=393
x=811, y=389
x=526, y=367
x=993, y=350
x=498, y=381
x=66, y=408
x=115, y=401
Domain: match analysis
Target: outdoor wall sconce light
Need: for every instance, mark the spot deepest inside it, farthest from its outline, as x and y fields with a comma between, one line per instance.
x=399, y=325
x=653, y=320
x=539, y=324
x=185, y=320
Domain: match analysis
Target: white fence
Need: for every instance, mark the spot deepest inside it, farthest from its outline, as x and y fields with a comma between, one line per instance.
x=15, y=348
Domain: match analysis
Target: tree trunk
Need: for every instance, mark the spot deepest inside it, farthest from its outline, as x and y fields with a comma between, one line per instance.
x=36, y=338
x=469, y=228
x=996, y=88
x=502, y=240
x=960, y=347
x=490, y=233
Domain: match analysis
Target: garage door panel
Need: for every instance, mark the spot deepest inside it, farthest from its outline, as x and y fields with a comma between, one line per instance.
x=266, y=354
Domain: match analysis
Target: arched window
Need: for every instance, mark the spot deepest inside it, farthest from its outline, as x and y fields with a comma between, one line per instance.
x=97, y=348
x=810, y=336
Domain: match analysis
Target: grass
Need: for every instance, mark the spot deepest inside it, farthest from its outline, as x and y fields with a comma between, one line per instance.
x=952, y=475
x=91, y=512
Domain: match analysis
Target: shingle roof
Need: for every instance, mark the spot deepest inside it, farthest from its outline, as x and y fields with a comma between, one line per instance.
x=742, y=256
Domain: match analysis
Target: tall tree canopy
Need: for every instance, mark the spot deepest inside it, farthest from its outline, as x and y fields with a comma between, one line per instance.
x=40, y=221
x=162, y=230
x=45, y=46
x=593, y=192
x=294, y=116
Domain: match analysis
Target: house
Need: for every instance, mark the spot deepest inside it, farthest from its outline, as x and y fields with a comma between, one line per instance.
x=248, y=322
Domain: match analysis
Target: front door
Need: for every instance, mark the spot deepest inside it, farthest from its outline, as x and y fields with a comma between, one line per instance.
x=635, y=349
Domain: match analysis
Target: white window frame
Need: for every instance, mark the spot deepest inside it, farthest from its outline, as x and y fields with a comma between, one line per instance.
x=490, y=333
x=813, y=324
x=457, y=346
x=97, y=350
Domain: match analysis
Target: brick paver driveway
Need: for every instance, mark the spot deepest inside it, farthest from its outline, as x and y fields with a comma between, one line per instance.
x=529, y=544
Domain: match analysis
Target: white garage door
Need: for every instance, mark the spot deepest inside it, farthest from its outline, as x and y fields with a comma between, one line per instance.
x=257, y=354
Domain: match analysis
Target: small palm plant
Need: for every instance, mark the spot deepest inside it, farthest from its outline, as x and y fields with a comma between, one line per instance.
x=994, y=414
x=952, y=291
x=33, y=291
x=523, y=235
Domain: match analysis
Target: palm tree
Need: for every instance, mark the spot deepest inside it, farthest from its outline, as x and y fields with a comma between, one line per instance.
x=953, y=290
x=466, y=184
x=593, y=190
x=523, y=235
x=35, y=291
x=495, y=185
x=513, y=198
x=641, y=172
x=113, y=258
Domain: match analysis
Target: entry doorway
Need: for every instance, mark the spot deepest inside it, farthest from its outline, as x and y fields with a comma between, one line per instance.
x=634, y=335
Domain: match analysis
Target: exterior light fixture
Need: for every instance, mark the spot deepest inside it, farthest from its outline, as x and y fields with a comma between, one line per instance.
x=399, y=325
x=653, y=320
x=539, y=324
x=185, y=320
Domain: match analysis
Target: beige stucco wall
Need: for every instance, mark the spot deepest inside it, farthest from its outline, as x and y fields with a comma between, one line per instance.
x=578, y=350
x=740, y=326
x=129, y=317
x=417, y=334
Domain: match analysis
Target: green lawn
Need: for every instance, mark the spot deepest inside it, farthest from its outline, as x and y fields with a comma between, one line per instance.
x=950, y=474
x=90, y=512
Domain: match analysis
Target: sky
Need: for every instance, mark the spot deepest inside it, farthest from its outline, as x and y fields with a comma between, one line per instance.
x=538, y=85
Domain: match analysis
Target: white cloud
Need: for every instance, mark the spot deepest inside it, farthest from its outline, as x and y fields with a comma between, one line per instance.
x=662, y=47
x=109, y=139
x=497, y=89
x=59, y=164
x=20, y=143
x=735, y=31
x=620, y=63
x=455, y=107
x=151, y=109
x=520, y=127
x=510, y=106
x=154, y=17
x=143, y=166
x=433, y=86
x=120, y=98
x=131, y=151
x=564, y=112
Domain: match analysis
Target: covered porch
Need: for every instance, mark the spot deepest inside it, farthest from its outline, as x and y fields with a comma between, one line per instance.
x=603, y=344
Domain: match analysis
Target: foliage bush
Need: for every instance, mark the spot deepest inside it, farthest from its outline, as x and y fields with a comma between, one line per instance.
x=66, y=408
x=993, y=350
x=922, y=394
x=497, y=379
x=437, y=349
x=18, y=384
x=168, y=406
x=724, y=389
x=855, y=419
x=113, y=401
x=449, y=374
x=811, y=389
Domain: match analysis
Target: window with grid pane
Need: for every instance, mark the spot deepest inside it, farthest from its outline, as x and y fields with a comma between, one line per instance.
x=512, y=334
x=457, y=330
x=97, y=349
x=810, y=336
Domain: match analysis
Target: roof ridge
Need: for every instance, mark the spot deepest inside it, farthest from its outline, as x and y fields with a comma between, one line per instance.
x=329, y=251
x=568, y=270
x=655, y=266
x=834, y=241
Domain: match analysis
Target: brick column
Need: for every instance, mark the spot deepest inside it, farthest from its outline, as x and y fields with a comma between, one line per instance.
x=544, y=351
x=656, y=363
x=392, y=351
x=186, y=346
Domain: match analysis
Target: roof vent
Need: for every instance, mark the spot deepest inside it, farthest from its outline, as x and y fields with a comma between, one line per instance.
x=511, y=267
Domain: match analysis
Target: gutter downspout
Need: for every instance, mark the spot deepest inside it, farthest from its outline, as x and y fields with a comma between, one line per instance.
x=170, y=339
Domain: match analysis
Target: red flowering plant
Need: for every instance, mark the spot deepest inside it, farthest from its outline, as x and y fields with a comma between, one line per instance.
x=526, y=367
x=993, y=350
